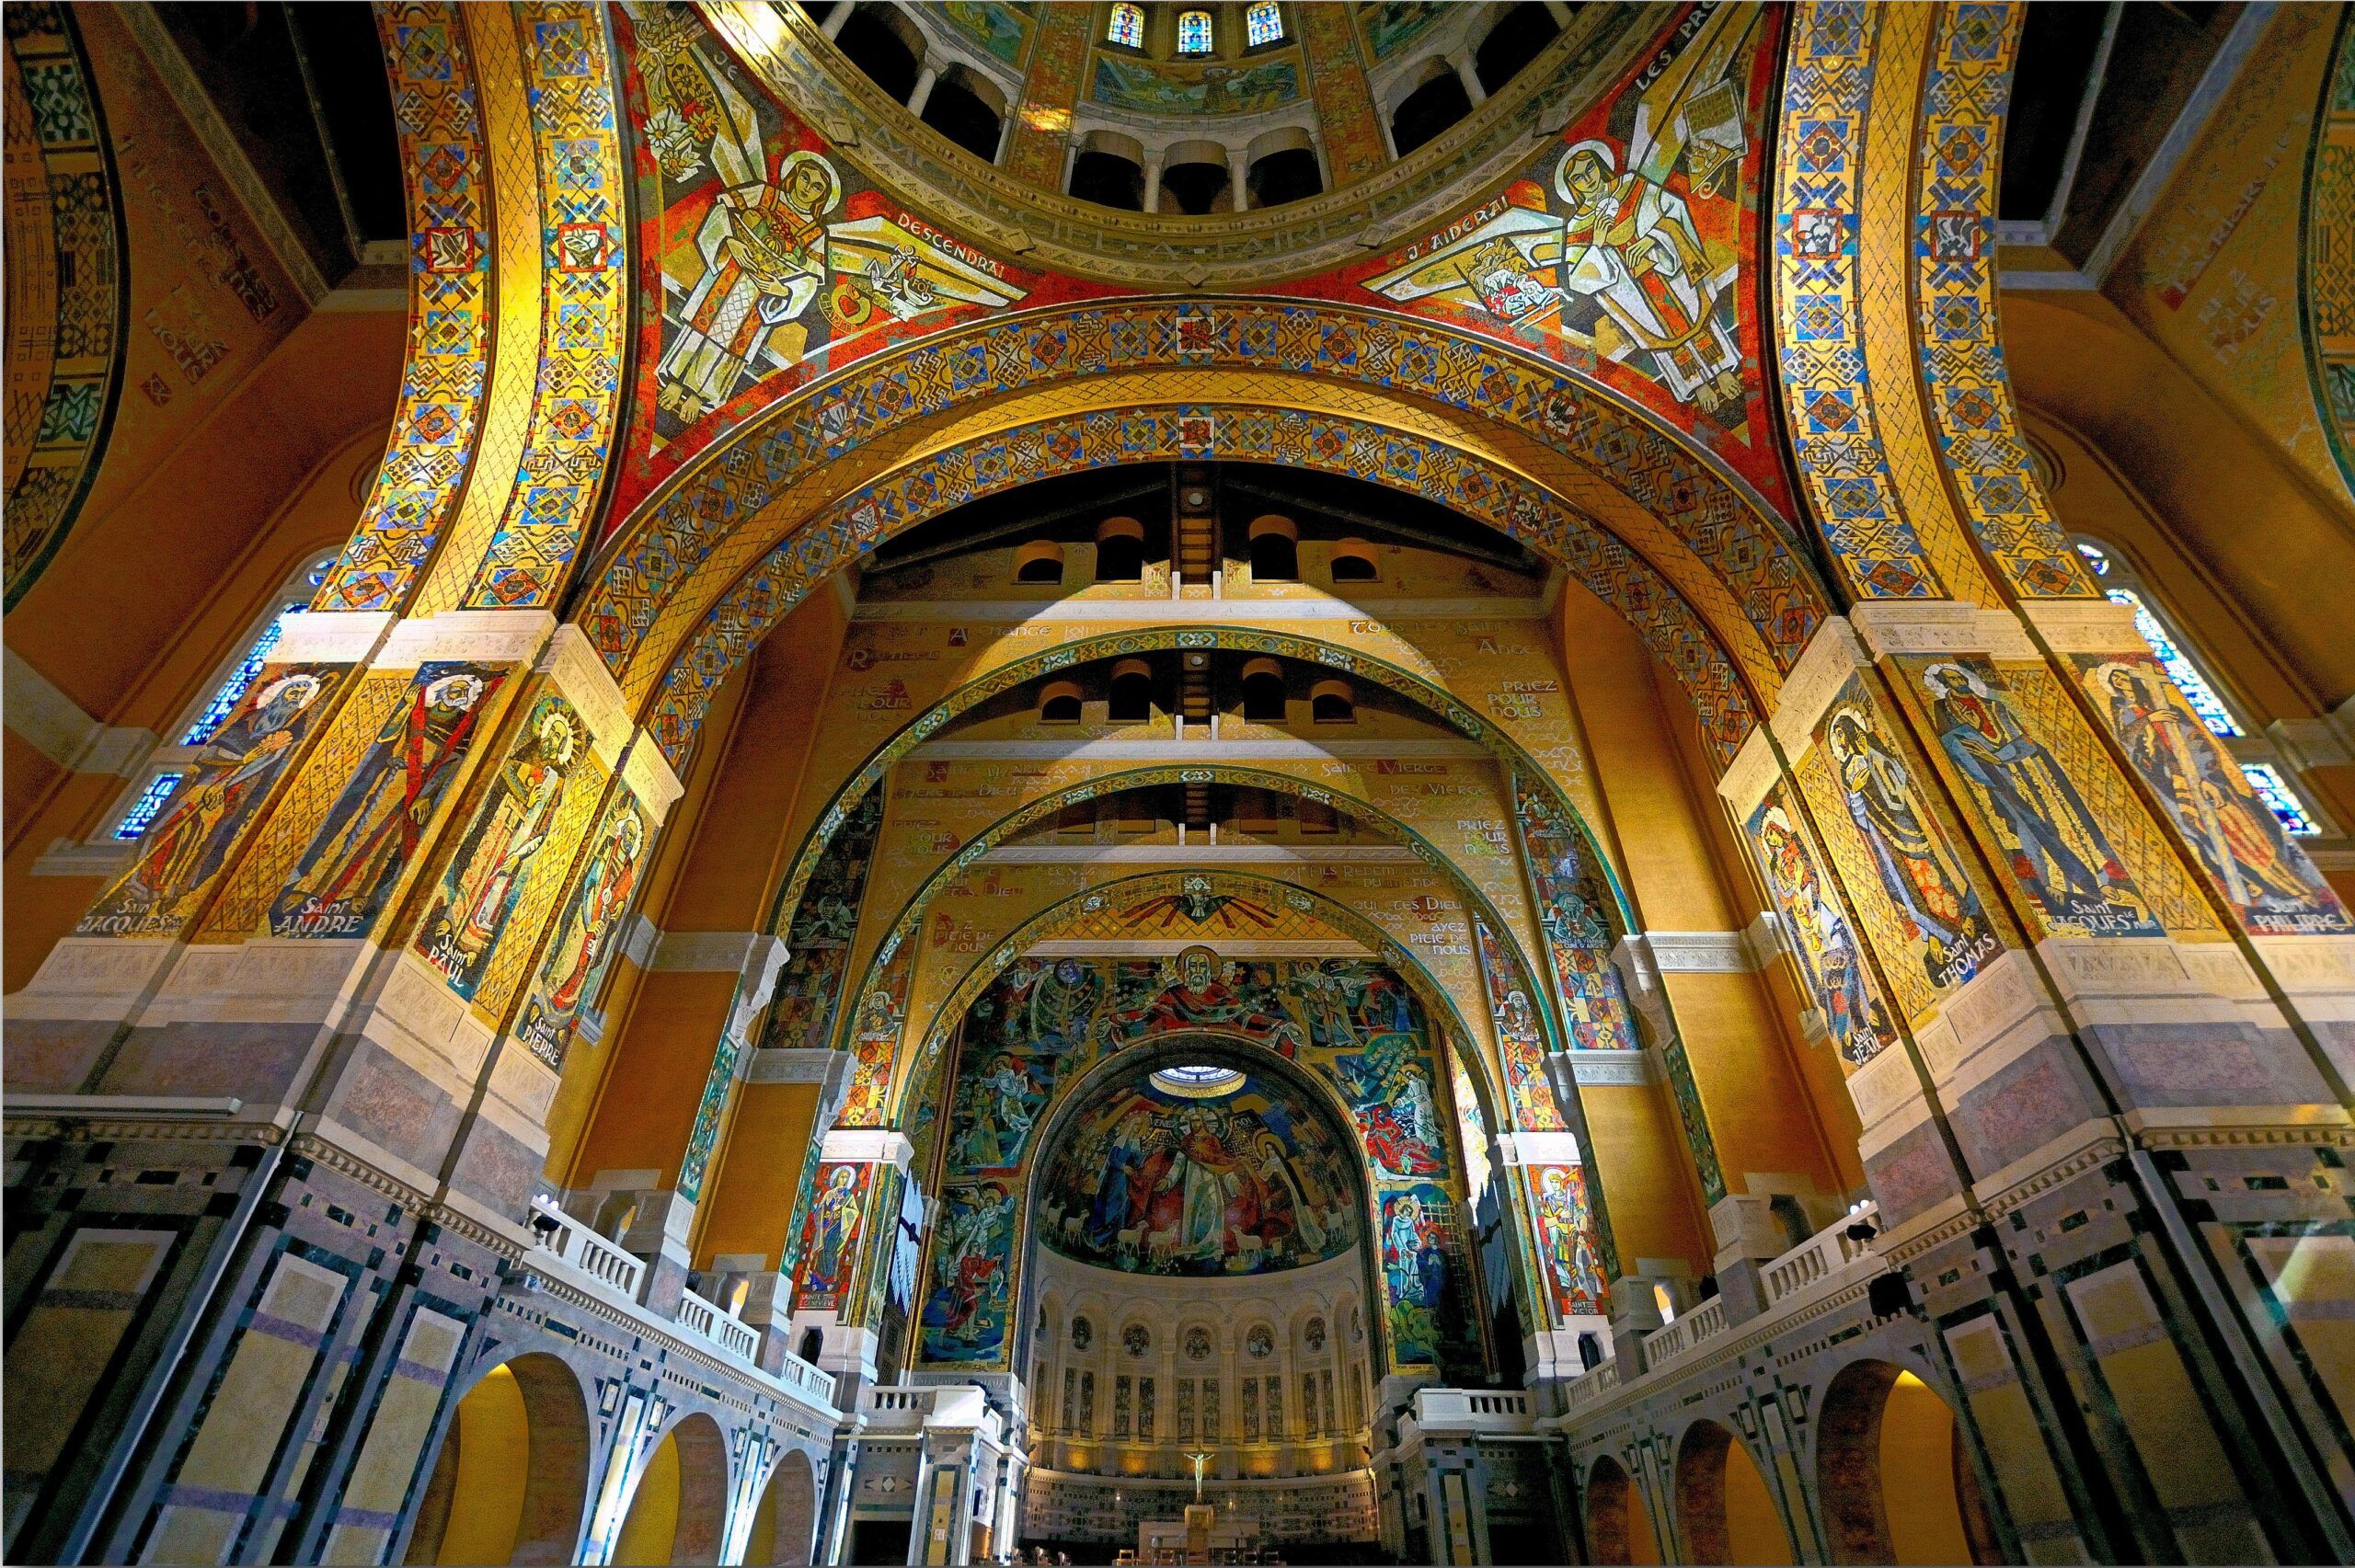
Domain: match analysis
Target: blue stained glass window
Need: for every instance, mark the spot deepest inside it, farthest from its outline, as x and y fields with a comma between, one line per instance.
x=1263, y=24
x=225, y=700
x=2275, y=791
x=142, y=815
x=2095, y=557
x=1127, y=27
x=2196, y=688
x=1193, y=32
x=1197, y=1082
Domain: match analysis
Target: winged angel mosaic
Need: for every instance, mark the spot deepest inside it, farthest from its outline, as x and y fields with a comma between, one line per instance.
x=1626, y=247
x=768, y=261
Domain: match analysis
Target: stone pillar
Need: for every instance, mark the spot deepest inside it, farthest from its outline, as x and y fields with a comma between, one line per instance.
x=1238, y=177
x=1634, y=1312
x=832, y=26
x=1153, y=158
x=926, y=78
x=842, y=1479
x=1467, y=73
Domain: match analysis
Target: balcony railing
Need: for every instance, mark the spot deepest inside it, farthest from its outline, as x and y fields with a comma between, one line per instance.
x=1821, y=1256
x=699, y=1316
x=808, y=1377
x=572, y=1242
x=1703, y=1322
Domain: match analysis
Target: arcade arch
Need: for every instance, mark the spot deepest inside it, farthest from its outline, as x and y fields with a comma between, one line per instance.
x=785, y=1523
x=1894, y=1478
x=1618, y=1525
x=1724, y=1511
x=511, y=1481
x=678, y=1510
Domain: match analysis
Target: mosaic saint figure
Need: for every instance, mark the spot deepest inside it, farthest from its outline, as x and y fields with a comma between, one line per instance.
x=1569, y=1253
x=2235, y=834
x=375, y=822
x=832, y=1218
x=967, y=1264
x=1828, y=953
x=231, y=775
x=1935, y=905
x=584, y=942
x=765, y=250
x=487, y=875
x=2059, y=853
x=1631, y=248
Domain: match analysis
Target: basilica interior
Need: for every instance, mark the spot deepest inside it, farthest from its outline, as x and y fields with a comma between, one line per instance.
x=1228, y=781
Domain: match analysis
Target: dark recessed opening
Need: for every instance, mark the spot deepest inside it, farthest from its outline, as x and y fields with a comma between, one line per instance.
x=1040, y=568
x=1429, y=109
x=1108, y=180
x=1132, y=698
x=1353, y=567
x=1119, y=557
x=1331, y=707
x=1060, y=708
x=2056, y=60
x=958, y=112
x=1263, y=698
x=1195, y=188
x=867, y=41
x=1274, y=558
x=1516, y=40
x=1289, y=175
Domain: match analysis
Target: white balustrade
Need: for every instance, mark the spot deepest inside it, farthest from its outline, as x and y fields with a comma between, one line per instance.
x=575, y=1243
x=1594, y=1385
x=700, y=1316
x=808, y=1377
x=1703, y=1322
x=1822, y=1255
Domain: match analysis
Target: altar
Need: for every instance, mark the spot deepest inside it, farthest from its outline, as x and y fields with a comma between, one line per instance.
x=1206, y=1534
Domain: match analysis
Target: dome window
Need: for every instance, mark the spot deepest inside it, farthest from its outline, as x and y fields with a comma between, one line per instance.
x=1263, y=24
x=1329, y=702
x=1353, y=561
x=1194, y=35
x=1263, y=691
x=1059, y=703
x=1041, y=560
x=1120, y=550
x=1198, y=1083
x=1127, y=26
x=1275, y=550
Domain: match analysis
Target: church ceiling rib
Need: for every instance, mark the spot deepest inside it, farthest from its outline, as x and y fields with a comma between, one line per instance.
x=1432, y=699
x=446, y=163
x=69, y=288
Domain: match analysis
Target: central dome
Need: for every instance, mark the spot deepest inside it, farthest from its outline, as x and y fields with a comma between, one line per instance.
x=1163, y=1180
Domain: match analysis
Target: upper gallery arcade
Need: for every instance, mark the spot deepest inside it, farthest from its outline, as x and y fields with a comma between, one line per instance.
x=1242, y=781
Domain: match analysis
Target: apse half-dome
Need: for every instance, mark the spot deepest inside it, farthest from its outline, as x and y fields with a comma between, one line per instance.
x=1153, y=1175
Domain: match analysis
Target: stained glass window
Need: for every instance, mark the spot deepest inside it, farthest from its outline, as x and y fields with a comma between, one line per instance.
x=1193, y=32
x=2196, y=688
x=2266, y=780
x=1127, y=27
x=225, y=700
x=1263, y=24
x=142, y=815
x=2095, y=557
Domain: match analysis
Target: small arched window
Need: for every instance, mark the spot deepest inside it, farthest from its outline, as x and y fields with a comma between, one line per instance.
x=1275, y=550
x=1041, y=560
x=1131, y=692
x=1263, y=23
x=2268, y=770
x=1120, y=550
x=1059, y=703
x=1126, y=27
x=813, y=1342
x=1329, y=702
x=1194, y=33
x=1353, y=561
x=1263, y=691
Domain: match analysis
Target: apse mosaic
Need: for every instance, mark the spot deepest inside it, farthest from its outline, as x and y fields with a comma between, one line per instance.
x=1151, y=1181
x=1042, y=1023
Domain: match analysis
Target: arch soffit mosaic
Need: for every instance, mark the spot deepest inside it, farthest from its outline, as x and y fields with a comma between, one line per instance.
x=908, y=922
x=674, y=554
x=1435, y=702
x=1344, y=918
x=1683, y=612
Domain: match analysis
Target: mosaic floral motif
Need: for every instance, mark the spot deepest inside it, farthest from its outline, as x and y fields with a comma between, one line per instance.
x=436, y=108
x=1840, y=985
x=500, y=853
x=55, y=435
x=2259, y=870
x=1153, y=1183
x=1136, y=1339
x=2056, y=850
x=356, y=857
x=225, y=787
x=576, y=397
x=1967, y=391
x=1198, y=1344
